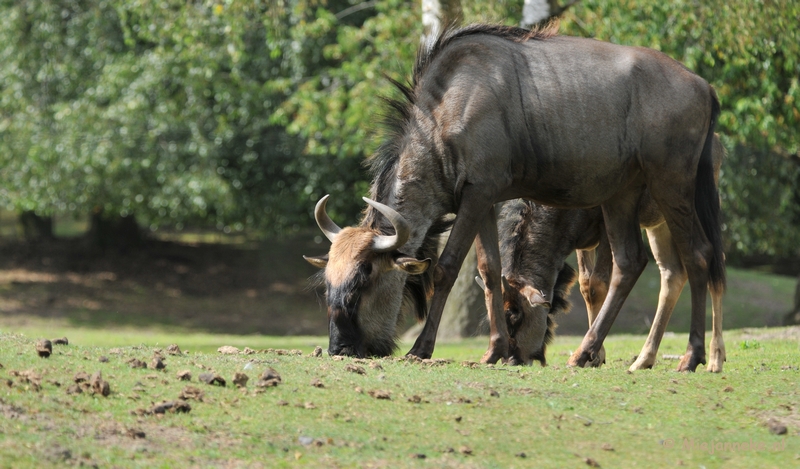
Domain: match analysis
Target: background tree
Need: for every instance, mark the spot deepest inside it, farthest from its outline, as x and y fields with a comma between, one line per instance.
x=242, y=115
x=752, y=58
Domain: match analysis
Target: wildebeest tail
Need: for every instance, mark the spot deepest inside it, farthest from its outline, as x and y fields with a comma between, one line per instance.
x=706, y=201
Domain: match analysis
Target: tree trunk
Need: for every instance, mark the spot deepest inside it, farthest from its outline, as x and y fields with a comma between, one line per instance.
x=36, y=227
x=464, y=313
x=438, y=14
x=793, y=317
x=538, y=11
x=113, y=231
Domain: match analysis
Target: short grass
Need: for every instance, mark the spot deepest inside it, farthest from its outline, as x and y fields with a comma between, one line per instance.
x=451, y=414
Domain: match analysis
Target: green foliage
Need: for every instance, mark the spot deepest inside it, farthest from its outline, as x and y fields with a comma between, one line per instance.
x=751, y=54
x=750, y=345
x=243, y=114
x=158, y=109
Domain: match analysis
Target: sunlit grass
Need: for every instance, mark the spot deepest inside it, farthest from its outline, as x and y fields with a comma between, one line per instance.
x=323, y=415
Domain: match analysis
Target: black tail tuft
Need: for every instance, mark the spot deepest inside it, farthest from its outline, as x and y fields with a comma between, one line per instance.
x=706, y=202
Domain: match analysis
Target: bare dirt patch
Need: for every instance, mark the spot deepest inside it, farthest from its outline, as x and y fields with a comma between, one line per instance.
x=785, y=333
x=258, y=288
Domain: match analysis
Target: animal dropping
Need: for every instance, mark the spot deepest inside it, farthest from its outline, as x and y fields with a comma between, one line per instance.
x=44, y=348
x=211, y=379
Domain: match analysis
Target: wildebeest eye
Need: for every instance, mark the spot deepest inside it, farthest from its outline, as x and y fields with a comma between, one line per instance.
x=366, y=270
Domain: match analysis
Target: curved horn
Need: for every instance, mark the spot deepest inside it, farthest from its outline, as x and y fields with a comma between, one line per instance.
x=328, y=227
x=403, y=231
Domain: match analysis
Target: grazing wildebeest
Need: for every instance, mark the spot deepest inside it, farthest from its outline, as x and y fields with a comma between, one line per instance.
x=530, y=319
x=535, y=241
x=496, y=113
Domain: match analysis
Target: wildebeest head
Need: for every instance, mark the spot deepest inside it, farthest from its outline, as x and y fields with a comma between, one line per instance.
x=535, y=241
x=532, y=326
x=365, y=275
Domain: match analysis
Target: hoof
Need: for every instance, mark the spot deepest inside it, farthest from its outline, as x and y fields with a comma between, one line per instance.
x=492, y=356
x=642, y=363
x=690, y=362
x=716, y=361
x=714, y=367
x=421, y=354
x=579, y=358
x=599, y=359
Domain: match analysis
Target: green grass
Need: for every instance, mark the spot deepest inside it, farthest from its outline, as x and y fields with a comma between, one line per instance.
x=752, y=299
x=482, y=416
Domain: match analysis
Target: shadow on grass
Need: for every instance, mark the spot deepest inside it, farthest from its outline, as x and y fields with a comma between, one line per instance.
x=264, y=289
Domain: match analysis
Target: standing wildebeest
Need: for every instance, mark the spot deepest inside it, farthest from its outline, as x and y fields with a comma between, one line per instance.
x=535, y=241
x=496, y=113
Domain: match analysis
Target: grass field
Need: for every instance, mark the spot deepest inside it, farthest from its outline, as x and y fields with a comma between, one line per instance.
x=446, y=413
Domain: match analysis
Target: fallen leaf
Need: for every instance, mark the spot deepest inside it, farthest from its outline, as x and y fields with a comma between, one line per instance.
x=191, y=392
x=211, y=379
x=380, y=394
x=240, y=380
x=157, y=364
x=355, y=369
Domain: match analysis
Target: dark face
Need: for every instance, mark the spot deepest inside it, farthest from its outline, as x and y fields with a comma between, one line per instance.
x=343, y=330
x=532, y=325
x=364, y=291
x=527, y=325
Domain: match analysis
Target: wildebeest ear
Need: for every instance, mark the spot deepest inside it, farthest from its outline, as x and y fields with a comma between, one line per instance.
x=317, y=261
x=412, y=266
x=535, y=297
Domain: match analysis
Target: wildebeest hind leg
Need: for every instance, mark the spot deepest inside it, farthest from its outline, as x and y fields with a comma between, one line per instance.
x=471, y=213
x=717, y=347
x=673, y=278
x=622, y=227
x=488, y=253
x=696, y=252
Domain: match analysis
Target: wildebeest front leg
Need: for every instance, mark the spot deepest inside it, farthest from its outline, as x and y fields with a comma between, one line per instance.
x=489, y=266
x=471, y=212
x=622, y=228
x=594, y=267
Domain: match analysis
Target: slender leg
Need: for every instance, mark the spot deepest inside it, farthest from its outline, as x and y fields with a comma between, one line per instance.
x=471, y=214
x=676, y=202
x=489, y=266
x=673, y=278
x=594, y=267
x=622, y=227
x=717, y=347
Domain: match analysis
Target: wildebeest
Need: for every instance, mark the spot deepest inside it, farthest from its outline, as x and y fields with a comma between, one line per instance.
x=495, y=113
x=535, y=241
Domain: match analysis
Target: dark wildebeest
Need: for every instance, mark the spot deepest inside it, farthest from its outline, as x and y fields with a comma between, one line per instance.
x=530, y=319
x=496, y=113
x=535, y=241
